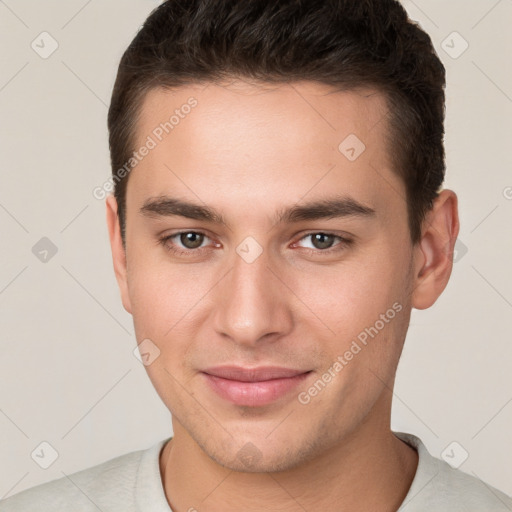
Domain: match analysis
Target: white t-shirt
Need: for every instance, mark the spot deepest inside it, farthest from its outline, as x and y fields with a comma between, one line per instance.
x=132, y=483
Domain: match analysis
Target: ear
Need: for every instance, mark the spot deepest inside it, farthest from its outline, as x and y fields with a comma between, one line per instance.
x=433, y=255
x=118, y=251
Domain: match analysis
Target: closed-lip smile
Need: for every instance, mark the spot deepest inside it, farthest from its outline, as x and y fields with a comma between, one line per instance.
x=253, y=386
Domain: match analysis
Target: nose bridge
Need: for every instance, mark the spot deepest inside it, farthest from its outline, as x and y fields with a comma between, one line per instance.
x=252, y=303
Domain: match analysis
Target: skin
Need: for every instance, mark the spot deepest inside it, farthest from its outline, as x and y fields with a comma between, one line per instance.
x=249, y=150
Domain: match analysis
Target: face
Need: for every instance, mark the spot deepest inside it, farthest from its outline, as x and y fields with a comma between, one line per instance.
x=268, y=265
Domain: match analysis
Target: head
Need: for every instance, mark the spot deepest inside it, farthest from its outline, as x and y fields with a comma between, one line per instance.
x=277, y=169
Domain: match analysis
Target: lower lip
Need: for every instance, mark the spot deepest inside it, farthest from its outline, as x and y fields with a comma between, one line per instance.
x=254, y=394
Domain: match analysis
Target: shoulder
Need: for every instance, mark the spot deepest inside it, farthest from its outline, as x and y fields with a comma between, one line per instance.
x=469, y=492
x=437, y=486
x=102, y=487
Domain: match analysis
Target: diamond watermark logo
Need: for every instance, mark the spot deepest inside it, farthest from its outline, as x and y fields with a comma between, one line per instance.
x=455, y=454
x=249, y=249
x=44, y=45
x=454, y=45
x=44, y=250
x=44, y=455
x=249, y=455
x=146, y=352
x=352, y=147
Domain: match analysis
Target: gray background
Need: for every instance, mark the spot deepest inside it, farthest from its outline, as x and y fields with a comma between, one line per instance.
x=68, y=373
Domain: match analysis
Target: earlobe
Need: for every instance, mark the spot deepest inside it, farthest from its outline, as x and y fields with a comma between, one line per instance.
x=433, y=255
x=118, y=251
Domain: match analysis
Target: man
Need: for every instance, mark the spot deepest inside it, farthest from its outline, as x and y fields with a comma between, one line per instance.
x=277, y=214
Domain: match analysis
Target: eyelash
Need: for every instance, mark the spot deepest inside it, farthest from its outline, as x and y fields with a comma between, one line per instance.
x=343, y=243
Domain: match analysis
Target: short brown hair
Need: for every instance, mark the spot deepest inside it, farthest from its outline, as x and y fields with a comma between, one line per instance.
x=345, y=43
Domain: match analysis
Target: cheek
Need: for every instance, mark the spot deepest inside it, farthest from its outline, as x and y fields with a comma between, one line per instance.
x=354, y=294
x=163, y=299
x=169, y=307
x=360, y=310
x=162, y=294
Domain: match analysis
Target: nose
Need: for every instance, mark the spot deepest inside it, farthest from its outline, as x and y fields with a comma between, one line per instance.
x=252, y=303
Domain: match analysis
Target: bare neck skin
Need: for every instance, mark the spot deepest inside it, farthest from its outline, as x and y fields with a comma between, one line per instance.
x=370, y=470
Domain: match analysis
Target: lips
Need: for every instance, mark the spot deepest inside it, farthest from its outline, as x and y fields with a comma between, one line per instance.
x=253, y=374
x=253, y=386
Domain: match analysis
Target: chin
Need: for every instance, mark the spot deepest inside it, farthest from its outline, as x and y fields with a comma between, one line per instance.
x=250, y=458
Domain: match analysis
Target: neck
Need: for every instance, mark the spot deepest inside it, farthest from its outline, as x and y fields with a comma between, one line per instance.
x=370, y=469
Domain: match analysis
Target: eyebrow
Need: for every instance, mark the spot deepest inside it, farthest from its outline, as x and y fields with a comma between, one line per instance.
x=329, y=208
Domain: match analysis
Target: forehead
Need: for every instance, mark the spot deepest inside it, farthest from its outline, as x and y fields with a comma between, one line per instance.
x=244, y=141
x=267, y=106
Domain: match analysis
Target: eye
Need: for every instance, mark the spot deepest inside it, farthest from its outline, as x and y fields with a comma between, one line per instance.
x=190, y=241
x=324, y=242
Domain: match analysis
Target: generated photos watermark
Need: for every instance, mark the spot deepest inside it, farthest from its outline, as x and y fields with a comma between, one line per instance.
x=341, y=361
x=157, y=135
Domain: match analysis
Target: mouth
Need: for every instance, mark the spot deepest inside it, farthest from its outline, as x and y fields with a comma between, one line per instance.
x=253, y=387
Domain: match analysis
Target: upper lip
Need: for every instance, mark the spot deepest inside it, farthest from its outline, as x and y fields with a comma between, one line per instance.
x=257, y=374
